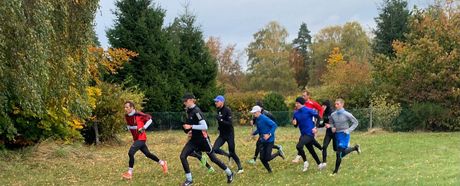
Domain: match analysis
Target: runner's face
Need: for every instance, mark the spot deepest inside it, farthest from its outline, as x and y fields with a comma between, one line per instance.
x=305, y=96
x=219, y=104
x=298, y=105
x=188, y=102
x=338, y=105
x=128, y=108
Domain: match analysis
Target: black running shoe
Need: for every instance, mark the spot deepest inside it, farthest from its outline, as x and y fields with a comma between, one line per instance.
x=187, y=183
x=230, y=178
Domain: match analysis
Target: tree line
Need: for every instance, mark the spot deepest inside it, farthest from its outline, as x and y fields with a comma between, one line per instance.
x=55, y=79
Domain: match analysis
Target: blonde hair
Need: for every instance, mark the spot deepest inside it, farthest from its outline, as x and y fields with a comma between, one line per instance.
x=340, y=100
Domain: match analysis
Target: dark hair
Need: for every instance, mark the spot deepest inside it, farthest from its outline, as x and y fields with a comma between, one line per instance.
x=131, y=103
x=260, y=103
x=300, y=100
x=328, y=109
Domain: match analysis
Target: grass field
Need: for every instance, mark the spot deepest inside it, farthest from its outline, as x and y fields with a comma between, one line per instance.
x=387, y=159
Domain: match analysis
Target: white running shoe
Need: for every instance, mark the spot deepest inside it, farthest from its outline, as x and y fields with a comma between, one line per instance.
x=321, y=166
x=305, y=166
x=240, y=171
x=296, y=159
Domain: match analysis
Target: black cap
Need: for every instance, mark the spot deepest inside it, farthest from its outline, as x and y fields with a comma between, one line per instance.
x=188, y=96
x=300, y=100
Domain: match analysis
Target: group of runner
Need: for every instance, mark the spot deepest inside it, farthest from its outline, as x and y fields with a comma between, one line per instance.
x=308, y=116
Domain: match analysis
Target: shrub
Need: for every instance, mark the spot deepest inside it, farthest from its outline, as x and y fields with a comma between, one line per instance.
x=274, y=102
x=108, y=110
x=384, y=112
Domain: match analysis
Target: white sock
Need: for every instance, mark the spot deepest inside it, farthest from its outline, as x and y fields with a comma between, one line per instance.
x=188, y=176
x=161, y=162
x=228, y=171
x=130, y=170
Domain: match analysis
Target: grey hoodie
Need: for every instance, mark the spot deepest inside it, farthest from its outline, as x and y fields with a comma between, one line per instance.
x=341, y=119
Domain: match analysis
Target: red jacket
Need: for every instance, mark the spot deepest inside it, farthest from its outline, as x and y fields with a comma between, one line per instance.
x=136, y=122
x=314, y=105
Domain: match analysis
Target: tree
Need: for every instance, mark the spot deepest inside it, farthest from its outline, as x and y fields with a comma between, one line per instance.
x=426, y=66
x=197, y=68
x=346, y=79
x=268, y=57
x=392, y=25
x=138, y=28
x=300, y=56
x=44, y=68
x=350, y=38
x=229, y=74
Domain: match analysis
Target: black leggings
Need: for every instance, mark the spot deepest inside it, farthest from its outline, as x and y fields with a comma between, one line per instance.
x=140, y=145
x=258, y=146
x=202, y=145
x=340, y=154
x=307, y=141
x=327, y=139
x=266, y=154
x=231, y=148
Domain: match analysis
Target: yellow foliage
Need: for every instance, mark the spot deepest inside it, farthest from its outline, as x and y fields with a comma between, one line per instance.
x=93, y=94
x=109, y=61
x=335, y=56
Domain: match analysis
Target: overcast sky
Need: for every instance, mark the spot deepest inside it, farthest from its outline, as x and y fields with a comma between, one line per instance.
x=235, y=21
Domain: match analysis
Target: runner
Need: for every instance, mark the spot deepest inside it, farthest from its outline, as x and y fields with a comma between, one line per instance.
x=137, y=123
x=196, y=127
x=226, y=132
x=340, y=122
x=266, y=130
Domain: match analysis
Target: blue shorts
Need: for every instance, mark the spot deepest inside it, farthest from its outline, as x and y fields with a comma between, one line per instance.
x=342, y=139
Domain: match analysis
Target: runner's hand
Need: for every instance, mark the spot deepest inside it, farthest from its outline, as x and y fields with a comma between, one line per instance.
x=141, y=130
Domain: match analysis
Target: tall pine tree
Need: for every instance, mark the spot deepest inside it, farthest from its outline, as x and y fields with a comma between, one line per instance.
x=391, y=25
x=300, y=57
x=197, y=68
x=138, y=27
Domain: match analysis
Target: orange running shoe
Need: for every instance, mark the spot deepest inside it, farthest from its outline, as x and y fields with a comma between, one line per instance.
x=127, y=175
x=165, y=167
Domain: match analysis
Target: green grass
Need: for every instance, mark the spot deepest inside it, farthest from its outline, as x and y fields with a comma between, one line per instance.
x=387, y=159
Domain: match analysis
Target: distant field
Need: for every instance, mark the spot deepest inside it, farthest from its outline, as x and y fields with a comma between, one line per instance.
x=387, y=159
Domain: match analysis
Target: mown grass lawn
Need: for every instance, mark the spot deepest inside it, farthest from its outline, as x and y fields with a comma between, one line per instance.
x=387, y=159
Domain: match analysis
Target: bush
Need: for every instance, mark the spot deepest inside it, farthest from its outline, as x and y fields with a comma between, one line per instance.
x=274, y=102
x=384, y=112
x=108, y=111
x=425, y=116
x=242, y=103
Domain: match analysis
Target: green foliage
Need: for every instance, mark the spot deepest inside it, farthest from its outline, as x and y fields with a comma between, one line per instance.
x=301, y=58
x=243, y=103
x=138, y=27
x=268, y=55
x=274, y=102
x=43, y=69
x=108, y=112
x=350, y=38
x=424, y=116
x=171, y=60
x=384, y=112
x=197, y=68
x=426, y=66
x=392, y=24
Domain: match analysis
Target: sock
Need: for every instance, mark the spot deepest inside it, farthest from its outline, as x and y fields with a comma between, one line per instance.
x=228, y=171
x=130, y=170
x=161, y=162
x=188, y=176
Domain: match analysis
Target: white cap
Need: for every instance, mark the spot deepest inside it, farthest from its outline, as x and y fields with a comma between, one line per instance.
x=256, y=109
